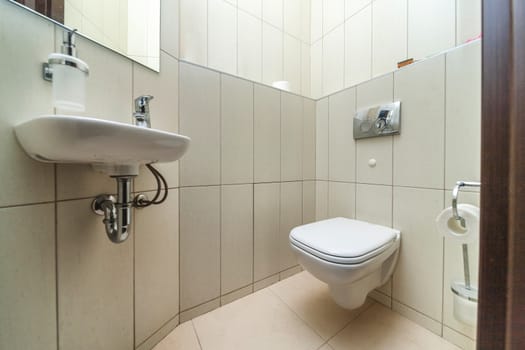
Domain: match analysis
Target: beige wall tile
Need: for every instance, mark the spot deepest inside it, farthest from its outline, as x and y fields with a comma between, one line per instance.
x=306, y=84
x=321, y=200
x=290, y=272
x=90, y=265
x=169, y=27
x=236, y=237
x=265, y=282
x=272, y=54
x=431, y=27
x=417, y=317
x=201, y=122
x=236, y=130
x=164, y=111
x=292, y=62
x=358, y=47
x=419, y=150
x=316, y=29
x=321, y=140
x=333, y=14
x=341, y=200
x=308, y=202
x=389, y=38
x=266, y=230
x=369, y=94
x=309, y=142
x=156, y=266
x=378, y=150
x=249, y=55
x=463, y=115
x=253, y=7
x=200, y=310
x=27, y=267
x=194, y=31
x=81, y=181
x=375, y=92
x=421, y=252
x=199, y=245
x=23, y=180
x=341, y=141
x=316, y=70
x=159, y=335
x=291, y=216
x=291, y=137
x=354, y=6
x=272, y=12
x=306, y=19
x=240, y=293
x=222, y=36
x=267, y=134
x=292, y=17
x=374, y=204
x=333, y=60
x=468, y=14
x=458, y=339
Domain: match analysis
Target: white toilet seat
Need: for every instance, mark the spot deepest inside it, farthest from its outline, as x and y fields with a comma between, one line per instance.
x=343, y=241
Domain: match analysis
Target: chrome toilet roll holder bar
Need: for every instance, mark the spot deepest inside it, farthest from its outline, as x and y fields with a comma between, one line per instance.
x=467, y=291
x=455, y=195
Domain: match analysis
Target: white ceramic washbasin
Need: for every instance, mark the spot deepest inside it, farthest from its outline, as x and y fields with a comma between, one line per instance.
x=111, y=147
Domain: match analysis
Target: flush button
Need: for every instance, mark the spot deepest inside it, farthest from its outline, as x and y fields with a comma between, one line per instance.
x=372, y=163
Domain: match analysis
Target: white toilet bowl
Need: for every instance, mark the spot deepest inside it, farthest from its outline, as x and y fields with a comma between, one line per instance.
x=352, y=257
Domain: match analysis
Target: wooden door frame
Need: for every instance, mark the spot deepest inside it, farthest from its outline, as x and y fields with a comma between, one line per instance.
x=501, y=315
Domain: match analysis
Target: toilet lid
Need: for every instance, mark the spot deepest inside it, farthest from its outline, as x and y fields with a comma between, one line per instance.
x=342, y=240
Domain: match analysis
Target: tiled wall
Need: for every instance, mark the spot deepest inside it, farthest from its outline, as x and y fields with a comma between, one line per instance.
x=62, y=282
x=247, y=180
x=264, y=41
x=355, y=40
x=415, y=172
x=261, y=162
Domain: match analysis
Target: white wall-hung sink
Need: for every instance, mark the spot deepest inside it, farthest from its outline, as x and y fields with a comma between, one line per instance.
x=114, y=148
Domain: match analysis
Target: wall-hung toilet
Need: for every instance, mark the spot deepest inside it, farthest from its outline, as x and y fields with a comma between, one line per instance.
x=352, y=257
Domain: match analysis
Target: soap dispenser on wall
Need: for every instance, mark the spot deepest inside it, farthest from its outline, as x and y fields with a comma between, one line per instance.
x=68, y=74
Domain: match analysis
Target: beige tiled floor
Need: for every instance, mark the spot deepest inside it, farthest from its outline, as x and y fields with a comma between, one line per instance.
x=298, y=314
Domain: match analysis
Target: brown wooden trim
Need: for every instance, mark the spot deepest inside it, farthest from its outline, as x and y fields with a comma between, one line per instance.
x=501, y=318
x=515, y=333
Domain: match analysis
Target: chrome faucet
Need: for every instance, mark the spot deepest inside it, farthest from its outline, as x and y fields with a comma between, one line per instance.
x=141, y=114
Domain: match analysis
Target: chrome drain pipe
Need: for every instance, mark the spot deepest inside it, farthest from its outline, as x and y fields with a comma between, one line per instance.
x=116, y=211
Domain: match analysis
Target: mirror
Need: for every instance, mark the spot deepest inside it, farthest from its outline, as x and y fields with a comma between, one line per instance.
x=129, y=27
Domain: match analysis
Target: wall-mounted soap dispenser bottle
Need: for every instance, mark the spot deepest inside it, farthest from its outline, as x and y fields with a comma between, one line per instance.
x=68, y=74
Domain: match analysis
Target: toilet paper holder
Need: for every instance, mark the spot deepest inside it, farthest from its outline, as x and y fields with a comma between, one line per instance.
x=455, y=194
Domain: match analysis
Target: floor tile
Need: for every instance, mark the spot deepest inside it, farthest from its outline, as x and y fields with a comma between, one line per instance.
x=310, y=299
x=258, y=321
x=380, y=328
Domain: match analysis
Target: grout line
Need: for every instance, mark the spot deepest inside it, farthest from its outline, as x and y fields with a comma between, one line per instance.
x=196, y=334
x=253, y=186
x=57, y=284
x=158, y=330
x=359, y=314
x=293, y=311
x=221, y=132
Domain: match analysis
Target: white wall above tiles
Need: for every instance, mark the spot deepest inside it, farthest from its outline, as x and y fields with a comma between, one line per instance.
x=258, y=40
x=372, y=36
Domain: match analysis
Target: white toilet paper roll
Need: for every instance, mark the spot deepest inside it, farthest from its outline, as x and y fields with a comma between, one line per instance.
x=450, y=227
